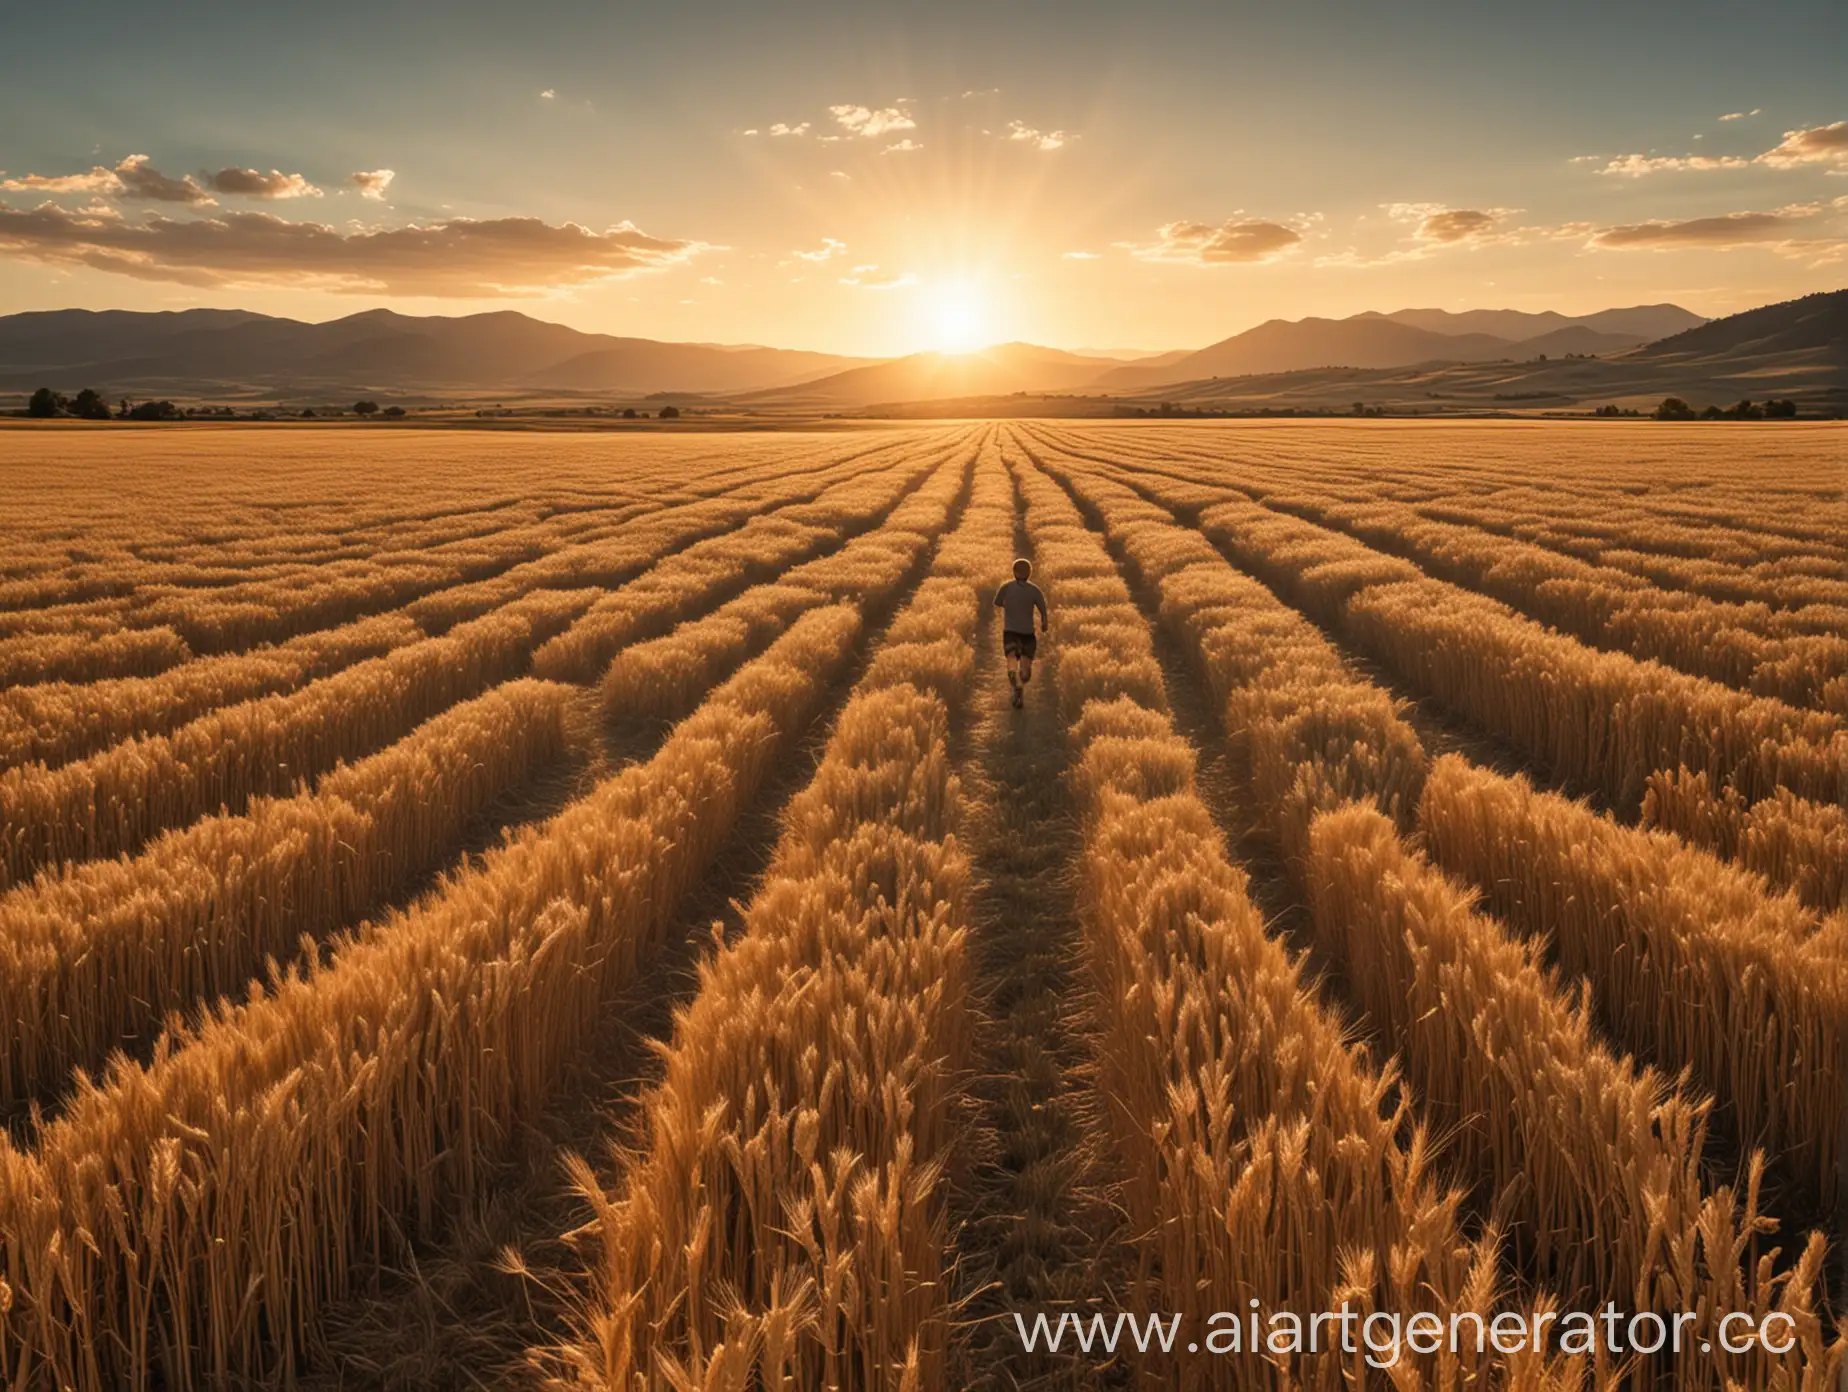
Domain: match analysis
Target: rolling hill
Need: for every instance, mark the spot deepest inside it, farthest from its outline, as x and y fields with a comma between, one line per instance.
x=205, y=351
x=1404, y=339
x=998, y=371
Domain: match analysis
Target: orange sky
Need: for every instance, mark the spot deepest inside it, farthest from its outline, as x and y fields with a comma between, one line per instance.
x=877, y=180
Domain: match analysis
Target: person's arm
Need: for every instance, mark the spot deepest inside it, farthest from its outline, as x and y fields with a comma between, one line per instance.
x=1001, y=597
x=1039, y=600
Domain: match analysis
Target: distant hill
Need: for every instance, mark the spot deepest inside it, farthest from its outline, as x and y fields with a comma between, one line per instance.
x=1814, y=324
x=1641, y=323
x=199, y=352
x=998, y=371
x=1404, y=339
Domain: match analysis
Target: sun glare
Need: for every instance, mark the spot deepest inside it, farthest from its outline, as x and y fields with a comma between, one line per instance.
x=959, y=318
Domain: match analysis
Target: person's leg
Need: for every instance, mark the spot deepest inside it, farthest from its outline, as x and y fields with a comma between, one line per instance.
x=1026, y=670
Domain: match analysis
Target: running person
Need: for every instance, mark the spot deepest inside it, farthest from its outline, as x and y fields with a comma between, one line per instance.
x=1017, y=600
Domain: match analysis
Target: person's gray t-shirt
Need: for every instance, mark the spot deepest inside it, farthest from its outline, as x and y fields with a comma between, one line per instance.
x=1017, y=600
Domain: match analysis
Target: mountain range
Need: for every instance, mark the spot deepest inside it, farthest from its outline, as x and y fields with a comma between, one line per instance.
x=206, y=351
x=203, y=353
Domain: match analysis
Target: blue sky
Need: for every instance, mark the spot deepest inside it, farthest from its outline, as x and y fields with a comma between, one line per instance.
x=1080, y=174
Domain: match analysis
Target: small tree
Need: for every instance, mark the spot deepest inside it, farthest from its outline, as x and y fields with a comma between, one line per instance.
x=365, y=408
x=155, y=411
x=628, y=413
x=1674, y=408
x=393, y=413
x=45, y=404
x=1780, y=410
x=670, y=413
x=90, y=405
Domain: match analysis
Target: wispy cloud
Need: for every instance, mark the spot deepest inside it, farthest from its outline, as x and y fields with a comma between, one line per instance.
x=372, y=183
x=902, y=147
x=1436, y=225
x=549, y=94
x=782, y=128
x=1081, y=256
x=458, y=258
x=1816, y=145
x=1038, y=139
x=867, y=278
x=250, y=183
x=1743, y=115
x=869, y=121
x=135, y=177
x=1237, y=241
x=1636, y=166
x=99, y=180
x=1782, y=226
x=829, y=249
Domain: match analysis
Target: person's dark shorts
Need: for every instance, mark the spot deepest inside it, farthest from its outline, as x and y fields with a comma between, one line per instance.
x=1019, y=645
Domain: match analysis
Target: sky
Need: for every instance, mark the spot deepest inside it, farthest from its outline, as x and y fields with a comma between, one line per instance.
x=874, y=178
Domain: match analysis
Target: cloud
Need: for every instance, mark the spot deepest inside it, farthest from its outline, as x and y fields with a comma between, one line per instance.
x=784, y=128
x=140, y=179
x=1452, y=225
x=1817, y=145
x=1726, y=230
x=863, y=277
x=248, y=183
x=549, y=94
x=902, y=147
x=461, y=257
x=1636, y=166
x=372, y=183
x=861, y=120
x=1438, y=225
x=134, y=177
x=1742, y=115
x=830, y=248
x=98, y=181
x=982, y=92
x=1080, y=256
x=1233, y=242
x=840, y=174
x=1038, y=139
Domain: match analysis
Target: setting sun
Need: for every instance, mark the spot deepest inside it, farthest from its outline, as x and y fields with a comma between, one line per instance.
x=958, y=318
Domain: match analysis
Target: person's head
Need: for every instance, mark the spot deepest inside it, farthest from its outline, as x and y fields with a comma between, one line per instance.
x=1022, y=569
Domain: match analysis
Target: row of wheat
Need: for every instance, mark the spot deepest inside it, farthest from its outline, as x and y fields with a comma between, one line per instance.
x=1261, y=1157
x=728, y=499
x=1691, y=960
x=115, y=801
x=1599, y=1163
x=234, y=600
x=1794, y=843
x=758, y=551
x=1772, y=537
x=784, y=1224
x=1617, y=726
x=94, y=959
x=55, y=722
x=1738, y=644
x=190, y=1219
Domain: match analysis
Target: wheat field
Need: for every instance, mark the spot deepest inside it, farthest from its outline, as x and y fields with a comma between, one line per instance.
x=581, y=911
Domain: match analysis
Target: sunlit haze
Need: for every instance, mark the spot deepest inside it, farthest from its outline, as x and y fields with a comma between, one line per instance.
x=891, y=178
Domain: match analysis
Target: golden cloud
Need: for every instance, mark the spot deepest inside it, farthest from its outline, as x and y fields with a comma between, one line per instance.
x=458, y=258
x=1817, y=145
x=372, y=183
x=1726, y=230
x=1231, y=243
x=249, y=183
